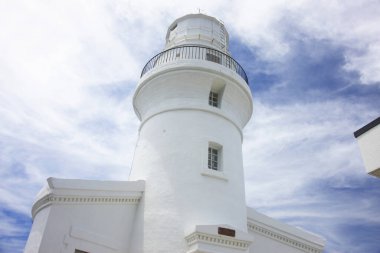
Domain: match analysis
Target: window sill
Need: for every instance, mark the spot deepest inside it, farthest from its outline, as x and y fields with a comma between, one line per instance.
x=214, y=173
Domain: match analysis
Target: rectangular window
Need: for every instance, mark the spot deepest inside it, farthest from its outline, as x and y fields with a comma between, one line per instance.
x=213, y=99
x=213, y=158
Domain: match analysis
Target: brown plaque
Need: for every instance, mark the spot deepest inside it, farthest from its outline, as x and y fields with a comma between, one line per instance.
x=226, y=231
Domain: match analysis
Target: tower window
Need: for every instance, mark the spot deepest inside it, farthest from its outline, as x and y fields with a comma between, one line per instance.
x=213, y=99
x=214, y=167
x=213, y=158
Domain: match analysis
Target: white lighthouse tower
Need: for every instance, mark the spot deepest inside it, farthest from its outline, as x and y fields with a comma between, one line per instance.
x=185, y=193
x=193, y=101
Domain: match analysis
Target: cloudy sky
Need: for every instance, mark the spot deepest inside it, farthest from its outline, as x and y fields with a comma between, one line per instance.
x=68, y=70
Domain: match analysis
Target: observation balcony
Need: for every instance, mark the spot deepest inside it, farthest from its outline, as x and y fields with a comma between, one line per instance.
x=194, y=53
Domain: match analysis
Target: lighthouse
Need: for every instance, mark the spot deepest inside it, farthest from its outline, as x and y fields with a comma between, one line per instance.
x=185, y=192
x=193, y=101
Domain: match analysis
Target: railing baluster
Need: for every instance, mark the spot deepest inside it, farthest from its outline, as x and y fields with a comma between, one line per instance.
x=194, y=52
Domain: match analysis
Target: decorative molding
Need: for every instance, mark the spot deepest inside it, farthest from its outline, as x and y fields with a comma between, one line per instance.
x=50, y=199
x=219, y=240
x=282, y=238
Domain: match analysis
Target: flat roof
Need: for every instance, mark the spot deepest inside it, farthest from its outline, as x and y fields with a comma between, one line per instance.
x=367, y=127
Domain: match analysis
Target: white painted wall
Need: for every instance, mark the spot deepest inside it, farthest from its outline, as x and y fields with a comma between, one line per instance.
x=100, y=228
x=186, y=85
x=93, y=216
x=171, y=153
x=369, y=144
x=38, y=232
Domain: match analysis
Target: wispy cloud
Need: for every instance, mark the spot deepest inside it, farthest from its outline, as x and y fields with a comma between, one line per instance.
x=69, y=69
x=14, y=228
x=302, y=162
x=351, y=25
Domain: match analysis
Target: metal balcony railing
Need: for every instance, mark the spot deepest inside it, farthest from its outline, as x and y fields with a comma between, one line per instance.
x=195, y=53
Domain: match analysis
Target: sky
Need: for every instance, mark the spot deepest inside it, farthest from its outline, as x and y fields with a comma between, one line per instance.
x=68, y=71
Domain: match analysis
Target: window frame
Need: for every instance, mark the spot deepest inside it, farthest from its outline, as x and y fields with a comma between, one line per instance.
x=213, y=158
x=213, y=99
x=218, y=171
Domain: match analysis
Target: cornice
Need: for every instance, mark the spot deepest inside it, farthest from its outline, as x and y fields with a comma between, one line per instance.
x=274, y=235
x=218, y=240
x=51, y=199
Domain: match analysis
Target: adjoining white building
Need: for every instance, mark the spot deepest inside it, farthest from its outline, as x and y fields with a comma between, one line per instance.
x=186, y=192
x=369, y=143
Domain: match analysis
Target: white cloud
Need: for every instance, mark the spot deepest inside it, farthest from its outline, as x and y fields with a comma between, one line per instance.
x=367, y=64
x=287, y=147
x=55, y=55
x=352, y=25
x=60, y=59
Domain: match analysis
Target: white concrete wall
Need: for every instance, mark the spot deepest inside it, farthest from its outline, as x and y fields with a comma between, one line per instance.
x=91, y=228
x=93, y=216
x=172, y=149
x=37, y=232
x=369, y=144
x=171, y=156
x=186, y=84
